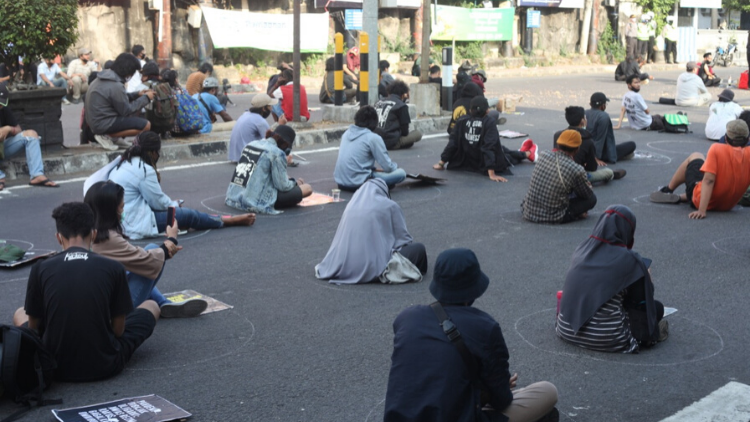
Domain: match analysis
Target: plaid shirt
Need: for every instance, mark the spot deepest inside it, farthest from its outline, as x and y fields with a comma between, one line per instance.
x=555, y=177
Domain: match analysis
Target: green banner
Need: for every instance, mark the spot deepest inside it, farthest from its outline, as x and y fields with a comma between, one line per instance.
x=464, y=24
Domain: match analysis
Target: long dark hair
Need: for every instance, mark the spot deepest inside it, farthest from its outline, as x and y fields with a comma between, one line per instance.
x=105, y=198
x=144, y=143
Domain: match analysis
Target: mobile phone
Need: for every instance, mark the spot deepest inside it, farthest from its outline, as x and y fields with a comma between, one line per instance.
x=180, y=201
x=170, y=216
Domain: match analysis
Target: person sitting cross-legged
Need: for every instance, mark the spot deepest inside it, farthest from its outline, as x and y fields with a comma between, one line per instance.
x=79, y=302
x=361, y=148
x=599, y=124
x=715, y=182
x=393, y=124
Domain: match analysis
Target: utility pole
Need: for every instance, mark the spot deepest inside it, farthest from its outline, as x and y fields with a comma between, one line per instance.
x=165, y=43
x=370, y=26
x=424, y=76
x=295, y=62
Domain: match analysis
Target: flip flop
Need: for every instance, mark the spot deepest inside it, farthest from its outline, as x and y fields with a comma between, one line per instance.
x=44, y=183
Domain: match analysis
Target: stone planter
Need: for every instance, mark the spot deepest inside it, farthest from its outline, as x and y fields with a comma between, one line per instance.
x=39, y=110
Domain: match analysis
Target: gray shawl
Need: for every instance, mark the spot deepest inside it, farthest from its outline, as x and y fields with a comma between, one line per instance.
x=371, y=228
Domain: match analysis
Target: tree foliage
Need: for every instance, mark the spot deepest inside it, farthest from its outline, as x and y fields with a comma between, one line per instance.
x=739, y=5
x=35, y=29
x=661, y=9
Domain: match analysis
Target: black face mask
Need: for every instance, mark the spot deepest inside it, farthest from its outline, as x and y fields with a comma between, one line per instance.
x=265, y=113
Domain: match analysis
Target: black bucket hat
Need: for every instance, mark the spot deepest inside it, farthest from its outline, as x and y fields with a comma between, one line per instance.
x=457, y=277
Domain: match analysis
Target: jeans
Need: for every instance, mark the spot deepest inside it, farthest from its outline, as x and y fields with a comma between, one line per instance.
x=14, y=144
x=277, y=110
x=396, y=176
x=57, y=82
x=188, y=219
x=602, y=174
x=142, y=288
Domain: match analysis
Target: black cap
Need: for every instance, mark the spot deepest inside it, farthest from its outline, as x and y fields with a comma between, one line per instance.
x=479, y=103
x=598, y=98
x=4, y=94
x=287, y=133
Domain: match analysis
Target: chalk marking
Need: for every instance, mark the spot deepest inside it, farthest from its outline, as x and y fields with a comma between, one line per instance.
x=729, y=403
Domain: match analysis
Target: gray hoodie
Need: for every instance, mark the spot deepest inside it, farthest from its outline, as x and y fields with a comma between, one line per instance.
x=689, y=89
x=360, y=149
x=106, y=100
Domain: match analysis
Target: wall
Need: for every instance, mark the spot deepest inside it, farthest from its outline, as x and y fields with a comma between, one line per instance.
x=560, y=31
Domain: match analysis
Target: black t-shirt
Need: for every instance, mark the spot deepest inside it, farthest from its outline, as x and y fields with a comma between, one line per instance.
x=393, y=120
x=6, y=117
x=586, y=155
x=75, y=294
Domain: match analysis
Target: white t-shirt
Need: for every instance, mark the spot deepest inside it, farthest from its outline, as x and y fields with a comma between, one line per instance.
x=49, y=72
x=277, y=92
x=719, y=114
x=635, y=107
x=135, y=84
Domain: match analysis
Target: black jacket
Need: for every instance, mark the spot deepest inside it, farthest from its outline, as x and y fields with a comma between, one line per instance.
x=586, y=155
x=474, y=145
x=393, y=120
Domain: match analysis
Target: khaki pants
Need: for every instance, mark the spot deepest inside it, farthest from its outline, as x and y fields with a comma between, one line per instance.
x=407, y=141
x=78, y=86
x=532, y=402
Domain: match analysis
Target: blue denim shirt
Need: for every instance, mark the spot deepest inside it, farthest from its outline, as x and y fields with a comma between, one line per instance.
x=268, y=178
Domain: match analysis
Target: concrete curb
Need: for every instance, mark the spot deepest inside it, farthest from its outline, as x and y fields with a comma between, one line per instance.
x=210, y=147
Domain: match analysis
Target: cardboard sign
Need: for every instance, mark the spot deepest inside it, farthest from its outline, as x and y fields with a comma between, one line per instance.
x=425, y=179
x=213, y=304
x=149, y=408
x=317, y=199
x=511, y=134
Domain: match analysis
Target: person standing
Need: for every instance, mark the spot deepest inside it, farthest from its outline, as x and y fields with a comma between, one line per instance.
x=669, y=32
x=631, y=37
x=642, y=35
x=49, y=73
x=651, y=39
x=80, y=69
x=450, y=360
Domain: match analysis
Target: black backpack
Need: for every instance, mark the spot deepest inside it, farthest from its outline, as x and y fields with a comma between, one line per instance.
x=26, y=368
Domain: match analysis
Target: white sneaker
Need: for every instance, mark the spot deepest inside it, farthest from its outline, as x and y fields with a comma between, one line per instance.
x=65, y=101
x=123, y=143
x=105, y=141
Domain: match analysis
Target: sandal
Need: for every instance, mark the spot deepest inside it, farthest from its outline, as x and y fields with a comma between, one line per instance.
x=45, y=183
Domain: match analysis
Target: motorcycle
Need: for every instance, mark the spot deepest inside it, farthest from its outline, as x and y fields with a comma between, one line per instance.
x=725, y=56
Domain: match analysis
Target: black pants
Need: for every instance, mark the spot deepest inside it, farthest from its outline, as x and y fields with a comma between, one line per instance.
x=514, y=157
x=624, y=149
x=711, y=82
x=670, y=51
x=646, y=335
x=577, y=207
x=651, y=52
x=631, y=44
x=416, y=253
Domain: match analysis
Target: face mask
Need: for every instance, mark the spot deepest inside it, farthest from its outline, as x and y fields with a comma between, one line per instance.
x=265, y=113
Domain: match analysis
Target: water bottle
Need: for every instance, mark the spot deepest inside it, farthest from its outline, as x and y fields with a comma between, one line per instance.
x=559, y=298
x=729, y=82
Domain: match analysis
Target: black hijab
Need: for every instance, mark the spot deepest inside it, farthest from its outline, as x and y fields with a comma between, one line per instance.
x=604, y=265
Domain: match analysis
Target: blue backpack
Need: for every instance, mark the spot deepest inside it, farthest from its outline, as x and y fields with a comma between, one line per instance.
x=189, y=114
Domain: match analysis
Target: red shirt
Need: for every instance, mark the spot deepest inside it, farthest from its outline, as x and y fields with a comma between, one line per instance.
x=288, y=101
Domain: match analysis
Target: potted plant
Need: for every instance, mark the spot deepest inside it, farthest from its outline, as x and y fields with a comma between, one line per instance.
x=31, y=30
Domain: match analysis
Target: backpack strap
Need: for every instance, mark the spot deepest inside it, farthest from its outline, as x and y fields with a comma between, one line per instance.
x=451, y=331
x=211, y=114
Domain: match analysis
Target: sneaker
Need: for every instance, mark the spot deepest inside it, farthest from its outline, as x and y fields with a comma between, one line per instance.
x=645, y=82
x=620, y=173
x=552, y=416
x=532, y=151
x=526, y=145
x=123, y=143
x=186, y=309
x=664, y=196
x=105, y=142
x=65, y=101
x=663, y=330
x=502, y=121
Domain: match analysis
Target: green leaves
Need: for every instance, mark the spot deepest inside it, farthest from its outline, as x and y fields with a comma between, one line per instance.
x=661, y=8
x=36, y=29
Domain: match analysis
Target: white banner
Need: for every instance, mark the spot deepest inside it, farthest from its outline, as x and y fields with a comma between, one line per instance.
x=266, y=31
x=705, y=4
x=562, y=4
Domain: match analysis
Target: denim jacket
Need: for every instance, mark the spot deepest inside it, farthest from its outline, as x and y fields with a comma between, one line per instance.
x=143, y=196
x=268, y=178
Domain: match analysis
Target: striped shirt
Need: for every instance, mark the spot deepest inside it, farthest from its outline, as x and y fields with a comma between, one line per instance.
x=607, y=331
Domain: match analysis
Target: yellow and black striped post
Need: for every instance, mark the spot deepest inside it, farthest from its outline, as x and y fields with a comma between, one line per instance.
x=338, y=70
x=364, y=69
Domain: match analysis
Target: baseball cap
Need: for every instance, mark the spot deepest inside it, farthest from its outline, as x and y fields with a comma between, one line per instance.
x=4, y=94
x=262, y=100
x=598, y=98
x=737, y=130
x=479, y=103
x=83, y=50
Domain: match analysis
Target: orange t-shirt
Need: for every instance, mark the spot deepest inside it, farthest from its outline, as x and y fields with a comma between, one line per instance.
x=731, y=181
x=194, y=83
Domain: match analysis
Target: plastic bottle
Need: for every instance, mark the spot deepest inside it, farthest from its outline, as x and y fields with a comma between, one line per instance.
x=559, y=298
x=729, y=83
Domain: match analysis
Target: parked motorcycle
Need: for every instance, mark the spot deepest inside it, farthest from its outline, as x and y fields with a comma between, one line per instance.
x=725, y=57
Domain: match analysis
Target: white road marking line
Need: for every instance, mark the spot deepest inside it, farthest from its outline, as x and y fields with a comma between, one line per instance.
x=729, y=403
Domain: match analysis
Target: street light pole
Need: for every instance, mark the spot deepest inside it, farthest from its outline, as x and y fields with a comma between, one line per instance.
x=296, y=63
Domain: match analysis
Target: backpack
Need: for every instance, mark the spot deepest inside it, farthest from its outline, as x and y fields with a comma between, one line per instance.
x=189, y=115
x=163, y=109
x=26, y=368
x=676, y=123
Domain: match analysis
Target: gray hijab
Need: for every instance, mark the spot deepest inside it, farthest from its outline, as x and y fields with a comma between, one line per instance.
x=604, y=265
x=371, y=228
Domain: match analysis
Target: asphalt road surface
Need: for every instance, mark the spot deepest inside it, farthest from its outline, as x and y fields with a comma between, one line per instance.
x=294, y=348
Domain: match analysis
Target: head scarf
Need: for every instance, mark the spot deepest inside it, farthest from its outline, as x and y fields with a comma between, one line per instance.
x=604, y=265
x=371, y=228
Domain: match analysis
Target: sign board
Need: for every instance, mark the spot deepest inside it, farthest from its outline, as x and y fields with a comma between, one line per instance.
x=705, y=4
x=464, y=24
x=353, y=19
x=357, y=4
x=533, y=19
x=266, y=31
x=149, y=408
x=563, y=4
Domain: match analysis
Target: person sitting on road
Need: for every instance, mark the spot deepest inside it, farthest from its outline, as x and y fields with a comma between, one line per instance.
x=599, y=124
x=146, y=204
x=461, y=105
x=284, y=110
x=80, y=69
x=715, y=182
x=475, y=145
x=251, y=126
x=13, y=139
x=110, y=109
x=596, y=169
x=327, y=91
x=631, y=66
x=436, y=377
x=260, y=183
x=720, y=113
x=194, y=83
x=385, y=78
x=271, y=86
x=394, y=120
x=210, y=105
x=372, y=243
x=49, y=74
x=691, y=92
x=462, y=78
x=559, y=191
x=608, y=298
x=144, y=266
x=361, y=148
x=639, y=116
x=479, y=77
x=706, y=72
x=80, y=305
